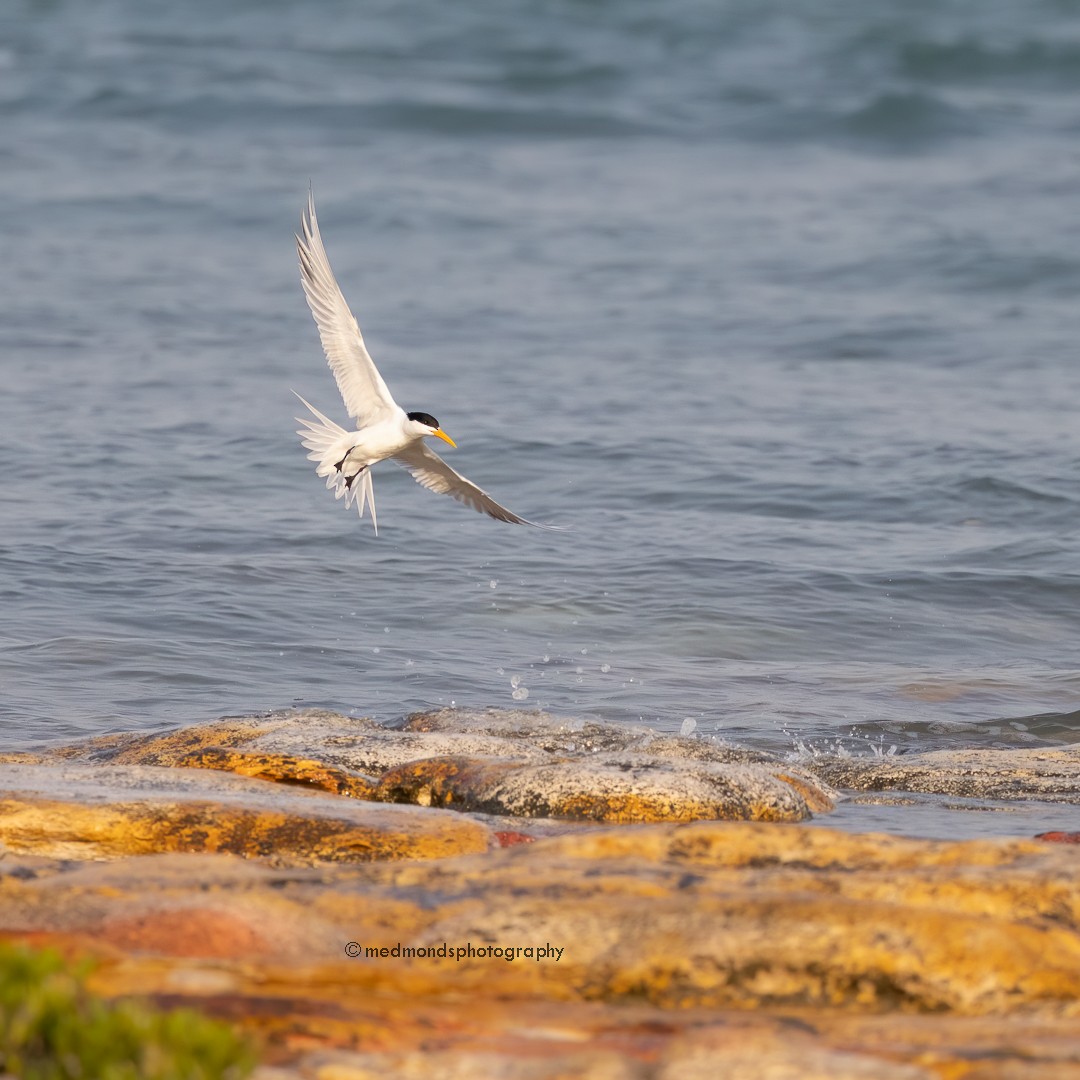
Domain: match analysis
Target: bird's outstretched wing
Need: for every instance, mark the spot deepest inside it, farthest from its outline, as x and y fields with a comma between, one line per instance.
x=366, y=397
x=429, y=470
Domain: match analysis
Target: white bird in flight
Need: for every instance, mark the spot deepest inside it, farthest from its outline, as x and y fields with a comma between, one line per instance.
x=384, y=429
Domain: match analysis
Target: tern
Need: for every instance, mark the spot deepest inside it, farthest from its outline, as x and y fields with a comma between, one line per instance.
x=383, y=429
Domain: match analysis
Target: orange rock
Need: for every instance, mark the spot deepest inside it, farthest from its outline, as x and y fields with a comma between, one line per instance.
x=502, y=762
x=185, y=932
x=508, y=838
x=605, y=787
x=80, y=811
x=848, y=956
x=280, y=768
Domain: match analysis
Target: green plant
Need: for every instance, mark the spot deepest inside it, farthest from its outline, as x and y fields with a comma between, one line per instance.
x=53, y=1028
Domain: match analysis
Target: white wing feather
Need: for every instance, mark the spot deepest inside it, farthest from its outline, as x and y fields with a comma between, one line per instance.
x=365, y=394
x=430, y=471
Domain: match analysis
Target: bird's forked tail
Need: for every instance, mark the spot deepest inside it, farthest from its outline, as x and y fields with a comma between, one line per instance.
x=330, y=444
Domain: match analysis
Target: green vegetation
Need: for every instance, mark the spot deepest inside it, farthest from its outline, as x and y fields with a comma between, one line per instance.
x=53, y=1028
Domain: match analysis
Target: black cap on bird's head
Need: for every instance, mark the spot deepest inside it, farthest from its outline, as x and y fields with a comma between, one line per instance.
x=429, y=421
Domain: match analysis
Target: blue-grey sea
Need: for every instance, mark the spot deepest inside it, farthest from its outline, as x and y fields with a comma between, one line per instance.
x=774, y=306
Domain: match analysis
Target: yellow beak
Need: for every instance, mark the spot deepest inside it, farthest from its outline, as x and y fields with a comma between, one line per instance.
x=440, y=434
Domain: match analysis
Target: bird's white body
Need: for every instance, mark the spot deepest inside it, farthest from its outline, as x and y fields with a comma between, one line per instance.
x=365, y=446
x=383, y=429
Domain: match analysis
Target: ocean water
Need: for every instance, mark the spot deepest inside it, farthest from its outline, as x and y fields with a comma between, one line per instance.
x=774, y=307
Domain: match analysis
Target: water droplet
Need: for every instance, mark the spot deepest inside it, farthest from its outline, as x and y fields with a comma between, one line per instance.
x=605, y=668
x=493, y=583
x=688, y=726
x=520, y=694
x=515, y=681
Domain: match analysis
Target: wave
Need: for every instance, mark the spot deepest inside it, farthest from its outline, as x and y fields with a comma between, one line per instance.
x=202, y=111
x=971, y=60
x=907, y=116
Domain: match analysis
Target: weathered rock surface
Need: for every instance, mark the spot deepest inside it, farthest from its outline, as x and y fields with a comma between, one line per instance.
x=622, y=788
x=687, y=950
x=1047, y=775
x=497, y=762
x=554, y=735
x=643, y=952
x=79, y=811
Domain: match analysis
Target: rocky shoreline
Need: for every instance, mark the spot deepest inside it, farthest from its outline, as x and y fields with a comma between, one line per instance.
x=514, y=895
